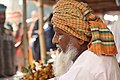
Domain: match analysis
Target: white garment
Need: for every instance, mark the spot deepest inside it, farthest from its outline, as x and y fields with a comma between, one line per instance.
x=90, y=66
x=116, y=32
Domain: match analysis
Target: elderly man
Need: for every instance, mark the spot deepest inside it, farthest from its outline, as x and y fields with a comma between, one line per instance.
x=86, y=46
x=7, y=50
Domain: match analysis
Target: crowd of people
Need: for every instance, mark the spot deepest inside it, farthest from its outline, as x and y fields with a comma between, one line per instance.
x=33, y=38
x=15, y=26
x=49, y=33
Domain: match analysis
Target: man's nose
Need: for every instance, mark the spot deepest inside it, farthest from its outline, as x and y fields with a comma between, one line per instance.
x=55, y=39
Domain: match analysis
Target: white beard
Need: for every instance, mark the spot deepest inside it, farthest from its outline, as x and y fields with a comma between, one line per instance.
x=64, y=60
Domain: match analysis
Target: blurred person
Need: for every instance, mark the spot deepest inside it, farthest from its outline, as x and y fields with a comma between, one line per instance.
x=115, y=29
x=31, y=22
x=49, y=33
x=86, y=45
x=19, y=47
x=18, y=34
x=7, y=49
x=16, y=20
x=34, y=15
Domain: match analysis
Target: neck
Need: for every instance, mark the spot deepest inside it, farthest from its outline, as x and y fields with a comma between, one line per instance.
x=82, y=49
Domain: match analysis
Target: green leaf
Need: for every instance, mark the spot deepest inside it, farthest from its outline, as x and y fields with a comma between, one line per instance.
x=24, y=70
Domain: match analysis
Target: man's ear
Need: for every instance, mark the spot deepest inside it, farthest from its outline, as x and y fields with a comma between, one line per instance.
x=77, y=42
x=80, y=42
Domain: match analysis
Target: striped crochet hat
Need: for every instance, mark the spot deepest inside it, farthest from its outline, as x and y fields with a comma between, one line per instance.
x=77, y=18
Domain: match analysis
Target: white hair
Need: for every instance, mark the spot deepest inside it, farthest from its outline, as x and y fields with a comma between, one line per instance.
x=64, y=60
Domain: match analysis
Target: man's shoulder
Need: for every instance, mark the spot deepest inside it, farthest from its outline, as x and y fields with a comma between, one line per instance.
x=90, y=60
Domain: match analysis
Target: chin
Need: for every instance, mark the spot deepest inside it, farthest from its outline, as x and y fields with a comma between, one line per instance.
x=64, y=60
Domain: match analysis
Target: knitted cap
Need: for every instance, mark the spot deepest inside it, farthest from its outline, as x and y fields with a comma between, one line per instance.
x=77, y=18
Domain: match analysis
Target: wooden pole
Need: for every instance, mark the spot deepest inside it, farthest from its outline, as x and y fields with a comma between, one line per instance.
x=41, y=33
x=25, y=39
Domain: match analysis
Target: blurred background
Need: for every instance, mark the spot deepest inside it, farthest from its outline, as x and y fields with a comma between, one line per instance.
x=23, y=45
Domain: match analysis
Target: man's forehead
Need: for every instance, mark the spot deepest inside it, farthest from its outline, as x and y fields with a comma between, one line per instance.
x=58, y=30
x=55, y=28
